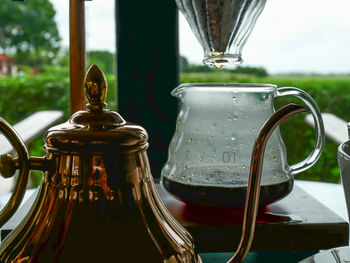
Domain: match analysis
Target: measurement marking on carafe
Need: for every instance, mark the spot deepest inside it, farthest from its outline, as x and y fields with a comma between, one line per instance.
x=228, y=156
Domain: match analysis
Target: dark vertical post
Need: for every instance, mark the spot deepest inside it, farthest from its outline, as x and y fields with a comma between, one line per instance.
x=77, y=54
x=147, y=65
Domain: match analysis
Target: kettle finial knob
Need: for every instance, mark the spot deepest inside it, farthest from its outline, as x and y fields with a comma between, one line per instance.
x=95, y=88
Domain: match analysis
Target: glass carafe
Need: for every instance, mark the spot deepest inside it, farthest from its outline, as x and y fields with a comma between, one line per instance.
x=209, y=155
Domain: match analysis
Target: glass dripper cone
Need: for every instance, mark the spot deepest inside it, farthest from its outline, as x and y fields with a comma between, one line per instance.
x=221, y=26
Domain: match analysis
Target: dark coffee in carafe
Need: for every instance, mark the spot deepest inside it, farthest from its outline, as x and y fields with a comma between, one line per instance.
x=226, y=197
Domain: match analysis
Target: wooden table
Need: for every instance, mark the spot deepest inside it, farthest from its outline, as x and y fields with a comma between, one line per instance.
x=297, y=222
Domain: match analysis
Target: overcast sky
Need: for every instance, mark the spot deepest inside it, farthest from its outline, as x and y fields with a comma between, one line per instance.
x=289, y=36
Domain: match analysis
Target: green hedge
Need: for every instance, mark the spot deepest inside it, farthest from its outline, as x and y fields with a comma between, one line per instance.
x=20, y=97
x=332, y=94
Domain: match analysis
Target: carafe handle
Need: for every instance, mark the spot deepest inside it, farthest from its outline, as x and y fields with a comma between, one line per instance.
x=8, y=166
x=319, y=127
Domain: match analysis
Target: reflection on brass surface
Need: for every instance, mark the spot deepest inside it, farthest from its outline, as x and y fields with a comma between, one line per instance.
x=95, y=88
x=98, y=201
x=97, y=208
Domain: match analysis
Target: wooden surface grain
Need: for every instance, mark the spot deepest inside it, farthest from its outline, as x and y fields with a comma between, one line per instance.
x=297, y=222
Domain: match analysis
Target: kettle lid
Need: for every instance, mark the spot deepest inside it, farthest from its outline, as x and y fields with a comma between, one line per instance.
x=95, y=129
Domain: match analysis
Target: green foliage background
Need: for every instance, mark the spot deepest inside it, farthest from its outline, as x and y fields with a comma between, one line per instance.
x=20, y=97
x=28, y=31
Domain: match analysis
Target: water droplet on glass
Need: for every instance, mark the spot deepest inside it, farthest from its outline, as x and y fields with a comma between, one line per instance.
x=185, y=167
x=190, y=140
x=235, y=117
x=228, y=119
x=253, y=129
x=243, y=165
x=207, y=179
x=233, y=138
x=218, y=66
x=189, y=180
x=178, y=122
x=234, y=99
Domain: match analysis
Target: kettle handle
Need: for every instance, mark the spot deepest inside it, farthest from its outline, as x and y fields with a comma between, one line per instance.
x=9, y=165
x=319, y=127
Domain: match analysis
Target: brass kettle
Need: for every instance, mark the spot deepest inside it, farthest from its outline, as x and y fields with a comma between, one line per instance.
x=98, y=201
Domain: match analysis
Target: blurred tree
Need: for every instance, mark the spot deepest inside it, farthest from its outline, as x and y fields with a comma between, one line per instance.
x=63, y=57
x=184, y=65
x=104, y=59
x=200, y=68
x=28, y=31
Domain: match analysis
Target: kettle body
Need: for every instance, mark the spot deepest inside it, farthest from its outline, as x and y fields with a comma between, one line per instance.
x=85, y=212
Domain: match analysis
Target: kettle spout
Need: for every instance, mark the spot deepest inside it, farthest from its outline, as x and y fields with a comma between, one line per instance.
x=256, y=164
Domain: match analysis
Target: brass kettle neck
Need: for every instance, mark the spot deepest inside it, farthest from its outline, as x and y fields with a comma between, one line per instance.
x=256, y=165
